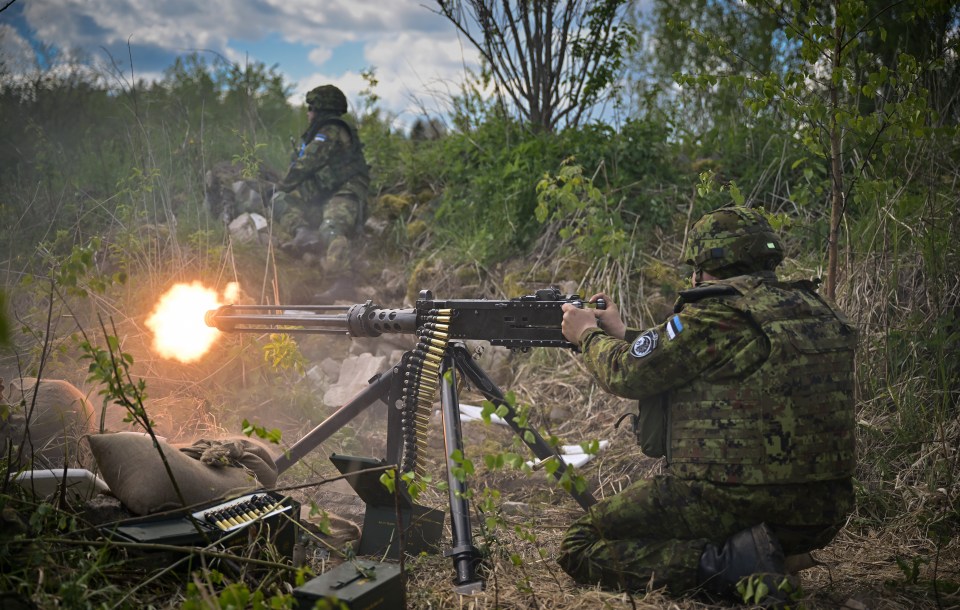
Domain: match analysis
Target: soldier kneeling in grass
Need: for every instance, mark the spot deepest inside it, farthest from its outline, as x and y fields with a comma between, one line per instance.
x=747, y=391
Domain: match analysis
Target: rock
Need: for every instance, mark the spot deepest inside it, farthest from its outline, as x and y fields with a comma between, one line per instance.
x=355, y=374
x=247, y=227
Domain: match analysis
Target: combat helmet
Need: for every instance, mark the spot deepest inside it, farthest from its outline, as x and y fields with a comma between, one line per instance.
x=327, y=98
x=733, y=241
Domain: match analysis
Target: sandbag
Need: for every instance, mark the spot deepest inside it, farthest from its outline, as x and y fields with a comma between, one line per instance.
x=205, y=471
x=59, y=416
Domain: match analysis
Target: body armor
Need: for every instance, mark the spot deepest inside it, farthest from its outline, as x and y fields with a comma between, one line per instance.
x=348, y=173
x=789, y=419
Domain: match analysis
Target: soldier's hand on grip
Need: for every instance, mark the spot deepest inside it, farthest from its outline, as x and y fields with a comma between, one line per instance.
x=575, y=321
x=608, y=318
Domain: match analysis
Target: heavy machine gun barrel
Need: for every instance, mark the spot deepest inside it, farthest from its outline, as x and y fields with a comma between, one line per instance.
x=360, y=320
x=522, y=323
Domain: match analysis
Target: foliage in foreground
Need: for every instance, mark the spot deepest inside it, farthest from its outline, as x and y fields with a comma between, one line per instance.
x=491, y=192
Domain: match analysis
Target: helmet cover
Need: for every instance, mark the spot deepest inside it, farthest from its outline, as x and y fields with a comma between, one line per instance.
x=328, y=98
x=732, y=241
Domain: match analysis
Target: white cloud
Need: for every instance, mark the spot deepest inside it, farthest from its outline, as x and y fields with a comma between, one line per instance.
x=416, y=53
x=319, y=55
x=15, y=53
x=419, y=74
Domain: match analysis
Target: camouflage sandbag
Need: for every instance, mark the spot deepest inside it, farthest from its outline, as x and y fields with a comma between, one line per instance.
x=236, y=451
x=59, y=415
x=206, y=471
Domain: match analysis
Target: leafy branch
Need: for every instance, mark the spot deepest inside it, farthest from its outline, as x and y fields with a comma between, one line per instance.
x=111, y=367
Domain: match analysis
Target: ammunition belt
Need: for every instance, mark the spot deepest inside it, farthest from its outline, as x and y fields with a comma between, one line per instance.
x=421, y=378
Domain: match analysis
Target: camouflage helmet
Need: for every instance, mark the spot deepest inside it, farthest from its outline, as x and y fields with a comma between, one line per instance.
x=327, y=97
x=732, y=241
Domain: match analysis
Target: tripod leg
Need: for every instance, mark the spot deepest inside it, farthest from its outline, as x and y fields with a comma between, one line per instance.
x=378, y=390
x=491, y=392
x=465, y=555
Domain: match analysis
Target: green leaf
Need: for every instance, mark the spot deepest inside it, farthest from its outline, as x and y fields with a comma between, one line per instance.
x=389, y=480
x=735, y=193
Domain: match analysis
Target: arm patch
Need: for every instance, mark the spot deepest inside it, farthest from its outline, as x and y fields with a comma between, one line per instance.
x=645, y=344
x=674, y=327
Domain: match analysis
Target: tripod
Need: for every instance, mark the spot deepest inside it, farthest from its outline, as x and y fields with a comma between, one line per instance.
x=386, y=387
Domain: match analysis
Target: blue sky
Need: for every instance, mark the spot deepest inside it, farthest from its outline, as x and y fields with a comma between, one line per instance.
x=418, y=58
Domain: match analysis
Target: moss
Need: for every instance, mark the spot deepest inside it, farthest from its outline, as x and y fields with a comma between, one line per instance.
x=466, y=274
x=391, y=206
x=423, y=269
x=415, y=229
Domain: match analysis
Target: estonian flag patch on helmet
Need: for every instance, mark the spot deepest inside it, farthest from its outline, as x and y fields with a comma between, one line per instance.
x=645, y=343
x=320, y=138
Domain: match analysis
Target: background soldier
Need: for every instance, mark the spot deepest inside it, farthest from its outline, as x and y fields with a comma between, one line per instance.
x=747, y=390
x=324, y=193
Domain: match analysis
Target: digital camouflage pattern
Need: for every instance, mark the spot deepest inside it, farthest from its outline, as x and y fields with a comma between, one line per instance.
x=732, y=241
x=330, y=177
x=750, y=384
x=786, y=419
x=758, y=381
x=654, y=531
x=327, y=98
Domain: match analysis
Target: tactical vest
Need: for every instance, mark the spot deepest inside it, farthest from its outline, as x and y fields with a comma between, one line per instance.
x=789, y=421
x=345, y=173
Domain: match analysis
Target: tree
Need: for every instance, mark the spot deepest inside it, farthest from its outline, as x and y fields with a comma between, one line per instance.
x=827, y=72
x=554, y=60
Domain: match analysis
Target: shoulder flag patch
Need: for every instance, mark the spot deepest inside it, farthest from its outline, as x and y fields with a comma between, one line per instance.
x=674, y=327
x=645, y=343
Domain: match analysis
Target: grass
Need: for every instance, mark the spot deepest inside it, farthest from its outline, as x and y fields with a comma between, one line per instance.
x=898, y=550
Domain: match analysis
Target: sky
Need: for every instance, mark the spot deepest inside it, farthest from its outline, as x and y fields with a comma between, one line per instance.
x=418, y=58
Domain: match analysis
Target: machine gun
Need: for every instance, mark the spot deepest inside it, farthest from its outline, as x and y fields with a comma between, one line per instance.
x=410, y=385
x=521, y=323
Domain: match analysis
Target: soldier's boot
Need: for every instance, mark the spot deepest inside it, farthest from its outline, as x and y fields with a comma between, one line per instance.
x=304, y=241
x=752, y=560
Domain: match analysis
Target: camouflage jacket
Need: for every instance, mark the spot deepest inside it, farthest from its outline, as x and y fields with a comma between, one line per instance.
x=750, y=381
x=330, y=163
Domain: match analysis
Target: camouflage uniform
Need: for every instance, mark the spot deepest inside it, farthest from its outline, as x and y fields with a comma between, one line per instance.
x=327, y=184
x=747, y=392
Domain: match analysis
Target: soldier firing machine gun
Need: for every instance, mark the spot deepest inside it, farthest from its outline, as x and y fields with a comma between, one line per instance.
x=411, y=384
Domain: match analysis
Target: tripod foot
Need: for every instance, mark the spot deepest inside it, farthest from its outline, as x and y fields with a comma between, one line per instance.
x=465, y=559
x=470, y=588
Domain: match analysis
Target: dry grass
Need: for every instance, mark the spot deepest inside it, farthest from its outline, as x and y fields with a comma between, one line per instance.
x=893, y=553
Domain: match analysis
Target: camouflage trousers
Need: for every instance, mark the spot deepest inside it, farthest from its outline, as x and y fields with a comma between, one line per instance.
x=343, y=211
x=653, y=533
